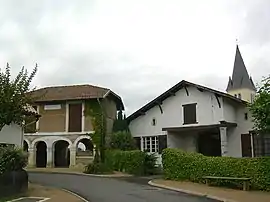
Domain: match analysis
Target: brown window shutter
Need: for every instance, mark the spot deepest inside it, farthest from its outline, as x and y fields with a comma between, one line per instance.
x=162, y=143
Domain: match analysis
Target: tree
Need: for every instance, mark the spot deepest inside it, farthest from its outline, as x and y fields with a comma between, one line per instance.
x=13, y=95
x=122, y=140
x=120, y=124
x=260, y=108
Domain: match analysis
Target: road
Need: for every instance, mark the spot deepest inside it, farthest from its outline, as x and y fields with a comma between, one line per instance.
x=96, y=189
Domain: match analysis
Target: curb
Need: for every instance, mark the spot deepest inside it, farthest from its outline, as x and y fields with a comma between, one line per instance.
x=77, y=173
x=76, y=195
x=190, y=192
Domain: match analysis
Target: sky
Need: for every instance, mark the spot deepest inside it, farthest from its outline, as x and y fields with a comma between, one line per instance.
x=137, y=48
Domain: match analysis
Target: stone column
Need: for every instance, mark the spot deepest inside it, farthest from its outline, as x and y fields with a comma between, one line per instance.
x=49, y=157
x=223, y=141
x=31, y=157
x=72, y=157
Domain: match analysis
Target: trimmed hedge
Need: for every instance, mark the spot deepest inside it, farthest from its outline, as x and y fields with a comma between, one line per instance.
x=180, y=165
x=133, y=162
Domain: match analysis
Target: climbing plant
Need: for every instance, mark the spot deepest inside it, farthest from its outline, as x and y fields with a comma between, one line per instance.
x=95, y=110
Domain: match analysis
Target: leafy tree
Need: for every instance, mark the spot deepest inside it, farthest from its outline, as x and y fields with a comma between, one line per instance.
x=13, y=95
x=122, y=140
x=260, y=108
x=120, y=124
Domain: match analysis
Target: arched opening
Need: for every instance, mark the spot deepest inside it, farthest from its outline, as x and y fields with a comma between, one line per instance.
x=85, y=147
x=61, y=154
x=25, y=146
x=41, y=154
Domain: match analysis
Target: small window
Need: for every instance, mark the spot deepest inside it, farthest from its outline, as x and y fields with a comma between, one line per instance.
x=235, y=95
x=190, y=113
x=154, y=122
x=239, y=96
x=246, y=116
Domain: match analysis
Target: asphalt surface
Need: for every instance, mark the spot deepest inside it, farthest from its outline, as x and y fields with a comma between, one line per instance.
x=96, y=189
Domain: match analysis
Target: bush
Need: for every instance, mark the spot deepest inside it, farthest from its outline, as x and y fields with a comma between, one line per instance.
x=180, y=165
x=133, y=162
x=122, y=140
x=97, y=168
x=12, y=159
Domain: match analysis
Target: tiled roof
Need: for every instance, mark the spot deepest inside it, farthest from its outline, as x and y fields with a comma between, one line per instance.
x=72, y=92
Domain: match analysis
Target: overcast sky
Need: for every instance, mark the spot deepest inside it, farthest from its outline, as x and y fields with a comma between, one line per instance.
x=137, y=48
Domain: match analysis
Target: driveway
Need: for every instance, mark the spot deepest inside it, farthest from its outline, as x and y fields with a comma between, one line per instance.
x=96, y=189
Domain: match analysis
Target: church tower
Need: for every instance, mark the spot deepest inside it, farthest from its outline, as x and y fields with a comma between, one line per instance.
x=240, y=84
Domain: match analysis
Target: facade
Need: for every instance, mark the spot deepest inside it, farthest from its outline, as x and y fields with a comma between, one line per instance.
x=53, y=140
x=199, y=119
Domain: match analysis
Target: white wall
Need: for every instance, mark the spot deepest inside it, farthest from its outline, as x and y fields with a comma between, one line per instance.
x=11, y=134
x=234, y=135
x=208, y=112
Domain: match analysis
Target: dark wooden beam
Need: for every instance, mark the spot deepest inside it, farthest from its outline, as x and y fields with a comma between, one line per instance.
x=142, y=113
x=160, y=108
x=171, y=93
x=200, y=89
x=219, y=105
x=159, y=105
x=186, y=90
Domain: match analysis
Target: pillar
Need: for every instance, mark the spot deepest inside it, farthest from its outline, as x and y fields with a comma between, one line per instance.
x=31, y=157
x=223, y=141
x=72, y=157
x=49, y=157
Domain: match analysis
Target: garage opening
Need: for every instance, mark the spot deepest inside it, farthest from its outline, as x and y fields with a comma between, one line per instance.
x=61, y=154
x=25, y=146
x=85, y=147
x=41, y=154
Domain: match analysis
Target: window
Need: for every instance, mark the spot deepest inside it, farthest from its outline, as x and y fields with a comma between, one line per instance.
x=154, y=122
x=235, y=95
x=239, y=96
x=246, y=116
x=150, y=144
x=190, y=113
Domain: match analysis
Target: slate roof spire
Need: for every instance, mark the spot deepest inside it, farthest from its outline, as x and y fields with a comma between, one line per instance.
x=240, y=78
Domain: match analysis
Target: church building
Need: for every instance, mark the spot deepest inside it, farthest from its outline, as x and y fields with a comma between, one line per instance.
x=196, y=118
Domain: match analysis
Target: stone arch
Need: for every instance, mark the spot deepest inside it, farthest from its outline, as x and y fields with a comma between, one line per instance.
x=58, y=138
x=61, y=154
x=80, y=138
x=35, y=141
x=86, y=141
x=41, y=153
x=26, y=145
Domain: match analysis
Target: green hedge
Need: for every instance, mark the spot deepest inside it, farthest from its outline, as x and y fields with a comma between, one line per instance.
x=12, y=159
x=180, y=165
x=133, y=162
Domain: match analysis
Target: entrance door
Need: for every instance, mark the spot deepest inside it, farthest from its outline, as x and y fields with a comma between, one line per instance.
x=246, y=145
x=75, y=117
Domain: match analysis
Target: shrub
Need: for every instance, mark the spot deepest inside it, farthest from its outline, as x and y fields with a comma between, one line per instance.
x=122, y=140
x=97, y=168
x=180, y=165
x=133, y=162
x=12, y=159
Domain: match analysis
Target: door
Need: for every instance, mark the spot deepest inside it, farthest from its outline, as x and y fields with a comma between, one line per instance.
x=75, y=118
x=246, y=145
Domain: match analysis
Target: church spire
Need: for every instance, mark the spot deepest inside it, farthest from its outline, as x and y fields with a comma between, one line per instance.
x=240, y=78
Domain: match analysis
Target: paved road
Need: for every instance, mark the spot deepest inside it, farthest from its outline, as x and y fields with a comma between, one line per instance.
x=97, y=189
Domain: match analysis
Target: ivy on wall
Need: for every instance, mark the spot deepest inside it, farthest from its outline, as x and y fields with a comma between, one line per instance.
x=95, y=110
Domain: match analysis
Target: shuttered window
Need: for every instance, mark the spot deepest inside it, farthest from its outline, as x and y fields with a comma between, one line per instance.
x=189, y=111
